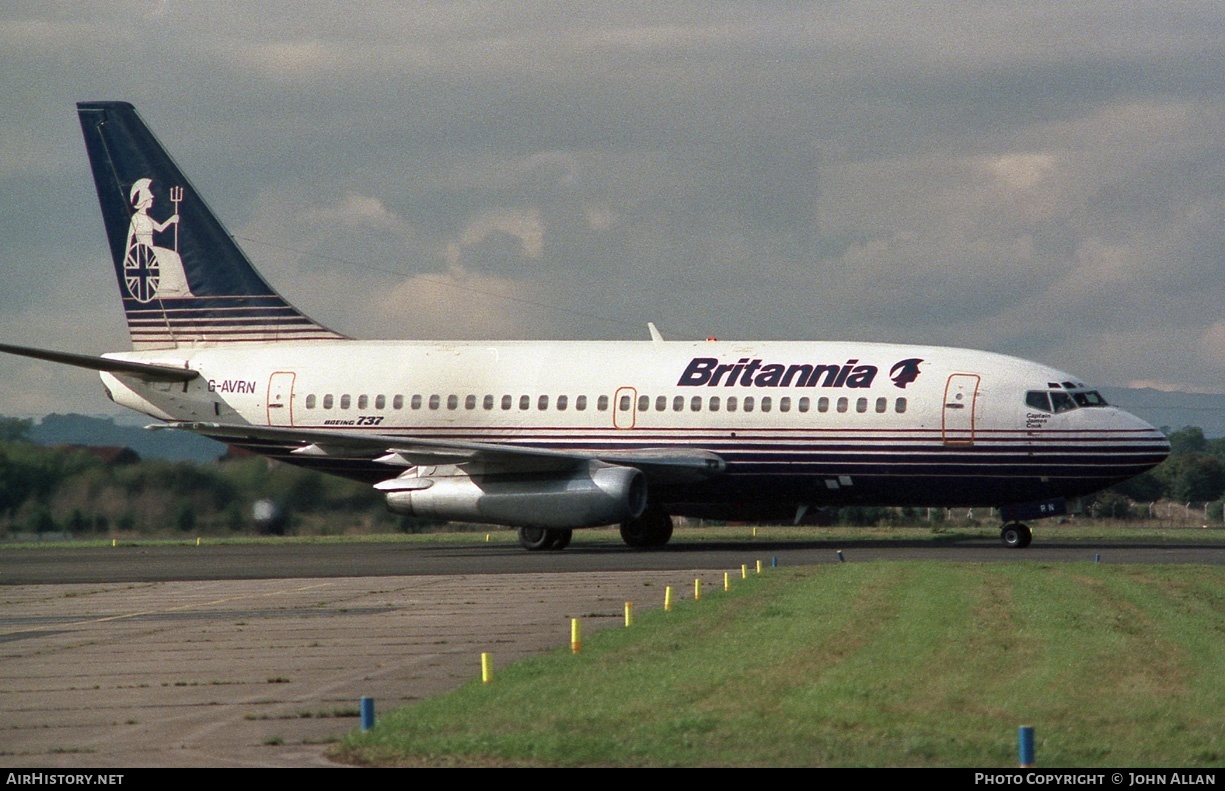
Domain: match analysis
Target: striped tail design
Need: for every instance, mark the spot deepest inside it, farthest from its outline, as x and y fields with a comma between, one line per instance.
x=183, y=279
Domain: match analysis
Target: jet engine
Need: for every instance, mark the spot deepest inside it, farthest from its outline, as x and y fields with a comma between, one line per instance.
x=586, y=496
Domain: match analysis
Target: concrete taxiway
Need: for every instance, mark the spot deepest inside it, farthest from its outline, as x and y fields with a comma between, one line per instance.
x=258, y=655
x=265, y=672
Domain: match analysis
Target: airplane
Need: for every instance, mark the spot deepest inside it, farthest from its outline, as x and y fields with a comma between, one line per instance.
x=553, y=436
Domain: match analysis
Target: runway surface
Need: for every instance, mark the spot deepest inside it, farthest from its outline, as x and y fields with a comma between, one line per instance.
x=258, y=655
x=298, y=560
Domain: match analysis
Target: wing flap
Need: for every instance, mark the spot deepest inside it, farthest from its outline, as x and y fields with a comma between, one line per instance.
x=667, y=465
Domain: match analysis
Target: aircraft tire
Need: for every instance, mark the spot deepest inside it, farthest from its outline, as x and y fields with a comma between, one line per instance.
x=1016, y=535
x=663, y=531
x=536, y=538
x=540, y=538
x=652, y=529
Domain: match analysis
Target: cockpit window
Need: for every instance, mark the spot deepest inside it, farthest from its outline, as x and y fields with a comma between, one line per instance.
x=1059, y=401
x=1062, y=402
x=1037, y=399
x=1090, y=398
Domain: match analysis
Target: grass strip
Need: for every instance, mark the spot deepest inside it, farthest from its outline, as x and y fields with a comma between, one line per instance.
x=871, y=664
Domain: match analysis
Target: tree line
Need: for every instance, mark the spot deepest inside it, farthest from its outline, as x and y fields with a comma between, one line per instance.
x=72, y=489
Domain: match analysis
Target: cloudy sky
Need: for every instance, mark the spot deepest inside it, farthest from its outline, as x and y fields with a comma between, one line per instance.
x=1039, y=179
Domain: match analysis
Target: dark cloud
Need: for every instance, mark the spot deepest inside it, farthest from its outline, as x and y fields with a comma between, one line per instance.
x=1038, y=180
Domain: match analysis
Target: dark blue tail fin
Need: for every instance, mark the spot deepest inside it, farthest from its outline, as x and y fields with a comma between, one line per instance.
x=183, y=279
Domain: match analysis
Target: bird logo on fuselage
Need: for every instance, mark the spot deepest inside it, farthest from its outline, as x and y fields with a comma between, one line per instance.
x=905, y=372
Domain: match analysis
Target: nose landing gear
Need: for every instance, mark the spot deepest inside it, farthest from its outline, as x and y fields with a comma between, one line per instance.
x=1016, y=535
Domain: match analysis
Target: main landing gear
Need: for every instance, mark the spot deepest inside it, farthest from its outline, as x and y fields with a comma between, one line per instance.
x=652, y=529
x=537, y=538
x=1016, y=535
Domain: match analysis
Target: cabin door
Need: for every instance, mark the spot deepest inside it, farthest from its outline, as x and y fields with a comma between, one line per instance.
x=280, y=399
x=960, y=404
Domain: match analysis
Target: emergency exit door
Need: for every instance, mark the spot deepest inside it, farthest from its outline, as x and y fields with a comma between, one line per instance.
x=280, y=398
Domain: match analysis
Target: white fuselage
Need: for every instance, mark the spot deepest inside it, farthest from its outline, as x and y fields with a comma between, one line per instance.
x=800, y=422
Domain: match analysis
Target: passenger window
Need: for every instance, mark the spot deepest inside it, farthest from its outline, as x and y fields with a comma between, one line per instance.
x=695, y=404
x=562, y=402
x=362, y=401
x=507, y=401
x=843, y=403
x=822, y=404
x=714, y=403
x=452, y=402
x=602, y=403
x=644, y=403
x=804, y=402
x=748, y=403
x=900, y=406
x=678, y=404
x=416, y=401
x=380, y=402
x=784, y=404
x=661, y=404
x=624, y=404
x=732, y=403
x=542, y=403
x=435, y=401
x=580, y=403
x=327, y=401
x=882, y=404
x=344, y=401
x=487, y=403
x=525, y=402
x=470, y=402
x=766, y=403
x=397, y=402
x=310, y=401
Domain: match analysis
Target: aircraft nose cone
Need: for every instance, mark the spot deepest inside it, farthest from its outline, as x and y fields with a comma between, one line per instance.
x=1153, y=445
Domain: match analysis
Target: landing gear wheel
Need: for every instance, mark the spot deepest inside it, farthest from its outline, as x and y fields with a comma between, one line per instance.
x=1016, y=535
x=652, y=529
x=538, y=538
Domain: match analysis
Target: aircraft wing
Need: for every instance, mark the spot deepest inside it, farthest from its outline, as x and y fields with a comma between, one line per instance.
x=663, y=465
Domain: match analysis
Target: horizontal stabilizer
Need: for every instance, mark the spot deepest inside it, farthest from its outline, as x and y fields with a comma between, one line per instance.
x=147, y=371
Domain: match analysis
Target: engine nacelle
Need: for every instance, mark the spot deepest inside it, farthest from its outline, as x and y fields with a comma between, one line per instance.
x=597, y=494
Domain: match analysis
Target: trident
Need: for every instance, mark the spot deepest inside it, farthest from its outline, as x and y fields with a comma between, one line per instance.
x=176, y=197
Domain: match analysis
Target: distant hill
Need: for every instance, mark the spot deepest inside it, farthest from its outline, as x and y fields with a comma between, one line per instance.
x=84, y=430
x=1172, y=410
